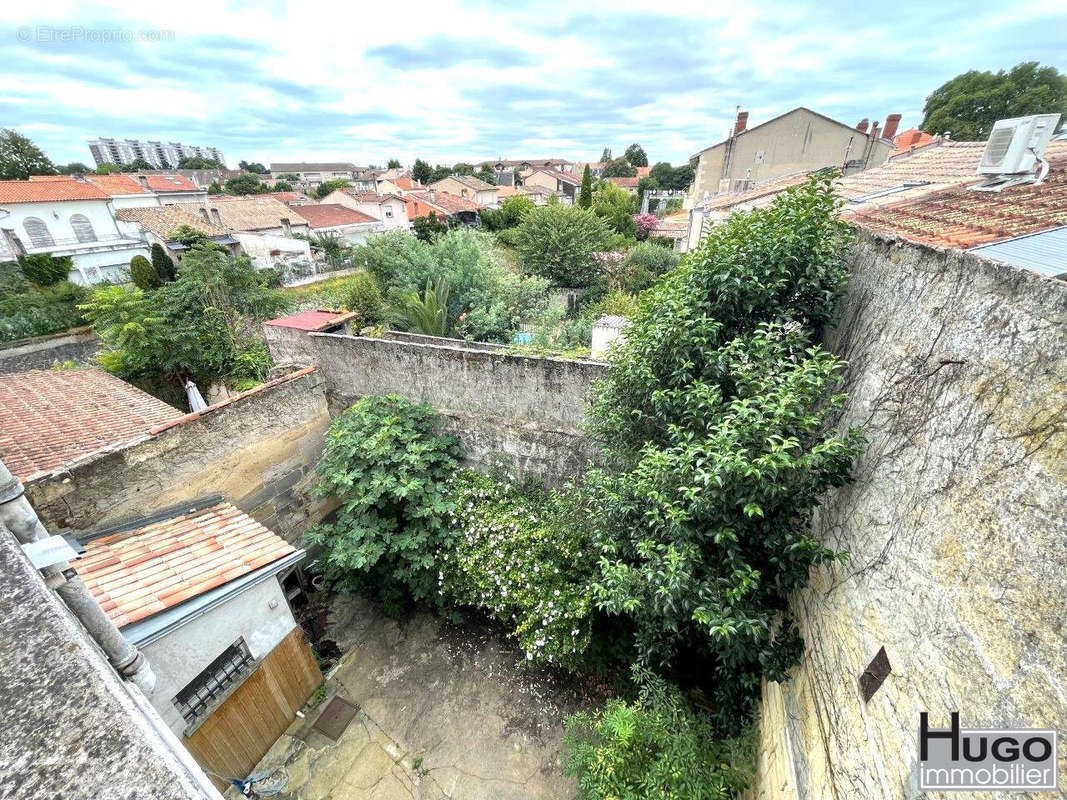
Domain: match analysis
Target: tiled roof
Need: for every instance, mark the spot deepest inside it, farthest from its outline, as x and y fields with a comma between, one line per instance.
x=563, y=176
x=477, y=184
x=770, y=188
x=405, y=183
x=674, y=226
x=112, y=185
x=328, y=215
x=312, y=320
x=256, y=212
x=625, y=183
x=505, y=191
x=170, y=183
x=136, y=573
x=535, y=188
x=518, y=162
x=162, y=221
x=911, y=138
x=963, y=218
x=643, y=172
x=936, y=167
x=50, y=418
x=371, y=197
x=288, y=197
x=444, y=201
x=48, y=191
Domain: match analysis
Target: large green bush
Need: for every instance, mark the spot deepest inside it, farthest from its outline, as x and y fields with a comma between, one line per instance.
x=716, y=420
x=512, y=212
x=519, y=554
x=654, y=748
x=143, y=274
x=643, y=266
x=616, y=207
x=27, y=311
x=44, y=269
x=388, y=464
x=557, y=242
x=363, y=296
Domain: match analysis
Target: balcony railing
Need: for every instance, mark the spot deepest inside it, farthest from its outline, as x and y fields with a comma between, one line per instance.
x=73, y=242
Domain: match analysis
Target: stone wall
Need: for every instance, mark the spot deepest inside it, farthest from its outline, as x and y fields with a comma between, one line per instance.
x=259, y=449
x=955, y=526
x=79, y=345
x=522, y=410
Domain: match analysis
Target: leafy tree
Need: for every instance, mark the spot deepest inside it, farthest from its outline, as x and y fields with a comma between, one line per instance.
x=74, y=168
x=44, y=269
x=654, y=747
x=143, y=275
x=282, y=186
x=558, y=243
x=668, y=177
x=163, y=264
x=511, y=213
x=328, y=187
x=635, y=155
x=644, y=265
x=605, y=156
x=486, y=174
x=139, y=164
x=363, y=295
x=215, y=188
x=245, y=184
x=619, y=168
x=194, y=327
x=585, y=195
x=255, y=167
x=462, y=168
x=428, y=227
x=421, y=171
x=199, y=162
x=108, y=169
x=393, y=164
x=716, y=416
x=20, y=158
x=616, y=207
x=969, y=104
x=388, y=464
x=439, y=173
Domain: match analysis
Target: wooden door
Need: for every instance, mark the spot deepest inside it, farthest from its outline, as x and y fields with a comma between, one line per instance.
x=242, y=729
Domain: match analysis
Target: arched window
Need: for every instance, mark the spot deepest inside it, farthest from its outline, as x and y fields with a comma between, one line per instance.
x=83, y=228
x=38, y=232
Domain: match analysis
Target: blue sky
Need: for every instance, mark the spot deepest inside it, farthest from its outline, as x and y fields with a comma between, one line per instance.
x=365, y=82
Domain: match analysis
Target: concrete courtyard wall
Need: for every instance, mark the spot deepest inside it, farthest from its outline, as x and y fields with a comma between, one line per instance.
x=955, y=527
x=258, y=449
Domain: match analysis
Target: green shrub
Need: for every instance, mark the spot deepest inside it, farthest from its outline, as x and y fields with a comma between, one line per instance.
x=557, y=242
x=512, y=211
x=163, y=264
x=643, y=265
x=428, y=228
x=509, y=237
x=39, y=311
x=362, y=295
x=716, y=415
x=654, y=748
x=143, y=274
x=519, y=555
x=44, y=270
x=388, y=464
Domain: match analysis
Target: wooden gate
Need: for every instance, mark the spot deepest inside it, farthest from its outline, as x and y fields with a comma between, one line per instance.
x=242, y=729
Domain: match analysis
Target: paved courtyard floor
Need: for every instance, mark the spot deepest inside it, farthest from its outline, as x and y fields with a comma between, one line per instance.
x=445, y=712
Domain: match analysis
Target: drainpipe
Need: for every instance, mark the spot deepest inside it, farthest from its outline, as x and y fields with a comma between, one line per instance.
x=18, y=516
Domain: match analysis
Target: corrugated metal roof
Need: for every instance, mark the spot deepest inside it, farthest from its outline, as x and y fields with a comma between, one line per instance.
x=1044, y=252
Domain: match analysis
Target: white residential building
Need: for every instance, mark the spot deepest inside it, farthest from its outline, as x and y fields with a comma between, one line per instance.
x=389, y=209
x=161, y=155
x=66, y=218
x=334, y=219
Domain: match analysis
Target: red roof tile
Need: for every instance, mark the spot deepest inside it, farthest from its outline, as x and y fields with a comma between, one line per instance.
x=912, y=137
x=963, y=218
x=50, y=418
x=171, y=183
x=328, y=215
x=312, y=320
x=422, y=204
x=48, y=191
x=625, y=183
x=136, y=573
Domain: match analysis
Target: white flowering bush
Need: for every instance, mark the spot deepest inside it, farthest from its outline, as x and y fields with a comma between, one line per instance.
x=519, y=554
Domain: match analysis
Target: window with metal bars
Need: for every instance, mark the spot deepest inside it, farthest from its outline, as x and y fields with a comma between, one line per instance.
x=229, y=668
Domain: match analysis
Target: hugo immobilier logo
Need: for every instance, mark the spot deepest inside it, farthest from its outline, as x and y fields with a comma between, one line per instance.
x=980, y=759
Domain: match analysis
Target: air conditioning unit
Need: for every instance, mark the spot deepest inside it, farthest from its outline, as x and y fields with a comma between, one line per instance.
x=1015, y=145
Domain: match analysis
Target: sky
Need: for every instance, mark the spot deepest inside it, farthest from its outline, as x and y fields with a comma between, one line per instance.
x=369, y=81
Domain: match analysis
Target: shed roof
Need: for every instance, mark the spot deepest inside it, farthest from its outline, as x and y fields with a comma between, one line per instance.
x=316, y=320
x=51, y=418
x=1044, y=252
x=155, y=564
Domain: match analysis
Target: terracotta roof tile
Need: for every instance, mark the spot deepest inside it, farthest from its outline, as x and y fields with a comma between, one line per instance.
x=138, y=572
x=312, y=320
x=48, y=191
x=420, y=204
x=963, y=218
x=328, y=215
x=50, y=418
x=256, y=212
x=170, y=183
x=910, y=139
x=625, y=183
x=162, y=221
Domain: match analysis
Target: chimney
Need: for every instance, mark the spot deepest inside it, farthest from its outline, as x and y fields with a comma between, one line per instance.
x=891, y=124
x=143, y=181
x=861, y=126
x=874, y=130
x=286, y=226
x=204, y=214
x=741, y=123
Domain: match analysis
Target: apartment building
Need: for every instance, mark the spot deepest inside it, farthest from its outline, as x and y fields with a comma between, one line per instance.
x=161, y=155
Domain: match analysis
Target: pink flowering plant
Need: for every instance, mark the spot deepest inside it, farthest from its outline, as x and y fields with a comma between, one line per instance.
x=646, y=223
x=520, y=556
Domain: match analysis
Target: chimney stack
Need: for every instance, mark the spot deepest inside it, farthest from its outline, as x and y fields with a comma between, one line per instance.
x=874, y=130
x=741, y=123
x=891, y=124
x=861, y=126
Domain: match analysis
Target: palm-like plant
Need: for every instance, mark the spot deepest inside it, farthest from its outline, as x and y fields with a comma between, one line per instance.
x=428, y=314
